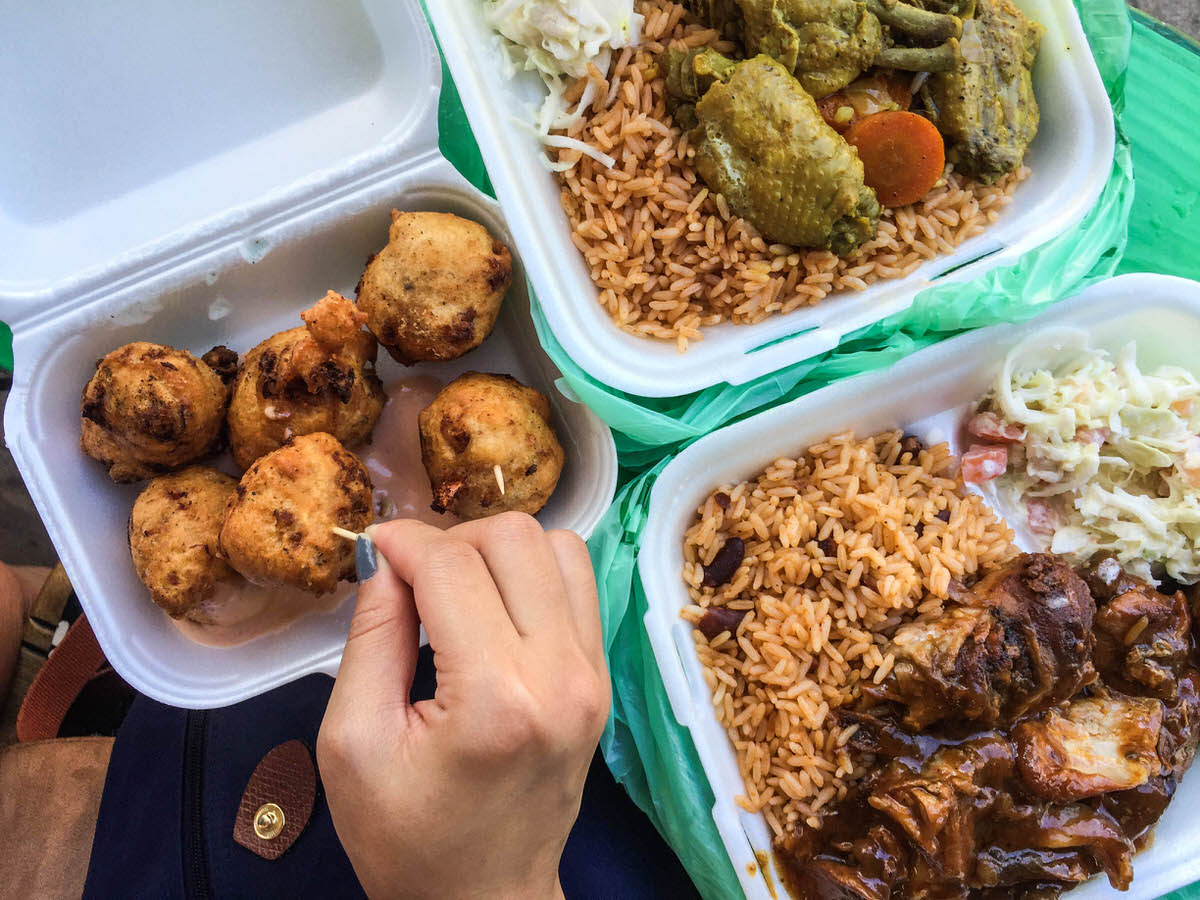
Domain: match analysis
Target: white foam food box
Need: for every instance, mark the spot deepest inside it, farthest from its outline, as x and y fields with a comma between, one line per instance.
x=925, y=395
x=1071, y=160
x=205, y=173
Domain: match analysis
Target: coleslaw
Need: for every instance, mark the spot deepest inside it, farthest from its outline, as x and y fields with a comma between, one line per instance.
x=1101, y=455
x=560, y=39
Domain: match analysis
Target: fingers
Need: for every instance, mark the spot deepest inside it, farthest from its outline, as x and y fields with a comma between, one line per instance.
x=381, y=650
x=525, y=569
x=575, y=564
x=455, y=596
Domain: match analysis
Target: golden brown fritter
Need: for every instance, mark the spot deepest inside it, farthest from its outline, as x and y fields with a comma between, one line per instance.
x=277, y=529
x=320, y=377
x=433, y=293
x=173, y=539
x=150, y=409
x=479, y=422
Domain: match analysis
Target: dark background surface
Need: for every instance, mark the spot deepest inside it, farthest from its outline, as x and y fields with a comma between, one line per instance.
x=23, y=541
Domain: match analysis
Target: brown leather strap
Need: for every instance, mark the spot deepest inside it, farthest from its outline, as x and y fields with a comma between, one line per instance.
x=72, y=664
x=37, y=637
x=278, y=801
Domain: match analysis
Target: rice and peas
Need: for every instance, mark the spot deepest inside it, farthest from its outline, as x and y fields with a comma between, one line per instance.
x=841, y=546
x=666, y=254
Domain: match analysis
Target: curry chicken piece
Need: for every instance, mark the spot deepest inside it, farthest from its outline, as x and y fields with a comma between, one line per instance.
x=761, y=141
x=985, y=106
x=1094, y=746
x=826, y=44
x=1020, y=640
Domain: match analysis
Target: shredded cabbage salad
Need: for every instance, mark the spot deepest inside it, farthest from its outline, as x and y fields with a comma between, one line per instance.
x=558, y=39
x=1102, y=456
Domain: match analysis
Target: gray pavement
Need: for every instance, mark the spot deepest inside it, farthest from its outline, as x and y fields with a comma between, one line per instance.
x=1183, y=14
x=24, y=541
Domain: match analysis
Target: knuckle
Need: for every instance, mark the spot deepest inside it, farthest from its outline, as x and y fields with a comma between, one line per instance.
x=515, y=527
x=523, y=725
x=394, y=532
x=590, y=700
x=449, y=557
x=569, y=540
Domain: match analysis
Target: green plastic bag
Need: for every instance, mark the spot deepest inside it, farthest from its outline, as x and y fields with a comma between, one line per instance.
x=1161, y=99
x=6, y=350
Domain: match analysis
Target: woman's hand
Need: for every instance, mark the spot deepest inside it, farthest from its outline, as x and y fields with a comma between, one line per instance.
x=472, y=793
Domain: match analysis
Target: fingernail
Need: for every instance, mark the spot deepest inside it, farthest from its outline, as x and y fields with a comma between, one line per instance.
x=366, y=562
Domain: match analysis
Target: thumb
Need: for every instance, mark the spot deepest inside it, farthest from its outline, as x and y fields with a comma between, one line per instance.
x=380, y=658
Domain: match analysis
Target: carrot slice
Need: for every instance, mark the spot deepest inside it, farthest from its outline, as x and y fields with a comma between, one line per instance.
x=903, y=155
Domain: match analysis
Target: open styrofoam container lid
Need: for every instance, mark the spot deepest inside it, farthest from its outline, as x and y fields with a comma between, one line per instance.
x=142, y=129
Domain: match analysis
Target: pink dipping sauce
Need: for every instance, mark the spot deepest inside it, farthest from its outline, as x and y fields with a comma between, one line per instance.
x=243, y=611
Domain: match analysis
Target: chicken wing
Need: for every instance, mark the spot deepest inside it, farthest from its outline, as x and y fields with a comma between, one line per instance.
x=761, y=142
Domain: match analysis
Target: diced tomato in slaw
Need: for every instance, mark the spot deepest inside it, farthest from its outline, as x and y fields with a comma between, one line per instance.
x=982, y=462
x=990, y=427
x=1043, y=519
x=1095, y=436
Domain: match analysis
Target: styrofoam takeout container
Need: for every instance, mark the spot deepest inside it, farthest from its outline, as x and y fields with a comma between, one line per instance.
x=926, y=395
x=1071, y=160
x=286, y=196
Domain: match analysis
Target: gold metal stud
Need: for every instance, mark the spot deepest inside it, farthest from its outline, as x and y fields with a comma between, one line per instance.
x=268, y=821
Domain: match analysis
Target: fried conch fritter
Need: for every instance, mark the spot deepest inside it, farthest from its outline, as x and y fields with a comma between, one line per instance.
x=278, y=525
x=433, y=293
x=173, y=539
x=150, y=409
x=478, y=423
x=320, y=377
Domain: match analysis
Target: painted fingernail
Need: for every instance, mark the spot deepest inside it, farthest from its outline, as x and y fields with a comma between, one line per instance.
x=366, y=563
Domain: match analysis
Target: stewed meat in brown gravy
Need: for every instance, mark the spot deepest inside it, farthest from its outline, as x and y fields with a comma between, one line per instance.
x=1027, y=738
